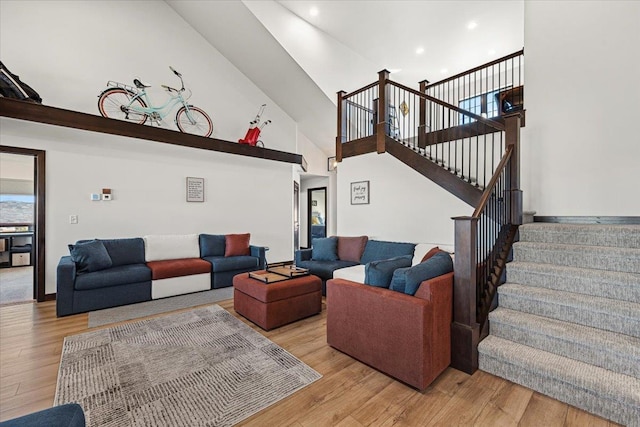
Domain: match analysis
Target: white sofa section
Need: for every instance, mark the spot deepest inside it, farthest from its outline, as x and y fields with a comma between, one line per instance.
x=180, y=285
x=175, y=247
x=356, y=273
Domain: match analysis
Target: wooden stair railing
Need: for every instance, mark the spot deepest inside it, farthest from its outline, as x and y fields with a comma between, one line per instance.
x=474, y=158
x=482, y=245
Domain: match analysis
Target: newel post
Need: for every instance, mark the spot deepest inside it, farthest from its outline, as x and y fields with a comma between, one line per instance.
x=342, y=125
x=422, y=125
x=465, y=331
x=383, y=111
x=512, y=124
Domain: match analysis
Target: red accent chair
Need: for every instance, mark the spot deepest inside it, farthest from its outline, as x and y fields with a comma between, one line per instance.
x=407, y=337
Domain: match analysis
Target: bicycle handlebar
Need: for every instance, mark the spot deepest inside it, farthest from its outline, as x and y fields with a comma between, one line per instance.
x=179, y=75
x=174, y=71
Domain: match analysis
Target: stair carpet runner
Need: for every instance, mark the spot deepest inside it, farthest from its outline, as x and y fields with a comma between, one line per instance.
x=568, y=318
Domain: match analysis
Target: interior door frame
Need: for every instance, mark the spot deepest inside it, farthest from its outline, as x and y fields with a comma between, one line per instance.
x=39, y=179
x=296, y=216
x=309, y=211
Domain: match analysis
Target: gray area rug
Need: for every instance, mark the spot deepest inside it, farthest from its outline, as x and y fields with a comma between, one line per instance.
x=202, y=367
x=164, y=305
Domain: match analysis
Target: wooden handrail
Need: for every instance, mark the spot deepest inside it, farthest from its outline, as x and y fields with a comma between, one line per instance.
x=478, y=68
x=362, y=89
x=492, y=182
x=488, y=122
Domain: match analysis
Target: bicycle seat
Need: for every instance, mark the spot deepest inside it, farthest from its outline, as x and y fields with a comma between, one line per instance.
x=139, y=84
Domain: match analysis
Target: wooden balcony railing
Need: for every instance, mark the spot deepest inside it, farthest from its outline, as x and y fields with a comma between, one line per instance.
x=467, y=129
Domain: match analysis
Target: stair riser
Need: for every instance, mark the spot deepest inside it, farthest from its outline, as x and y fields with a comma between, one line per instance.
x=607, y=358
x=562, y=390
x=585, y=258
x=613, y=322
x=588, y=235
x=582, y=285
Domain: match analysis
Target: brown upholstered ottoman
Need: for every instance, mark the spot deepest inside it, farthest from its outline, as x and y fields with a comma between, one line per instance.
x=275, y=304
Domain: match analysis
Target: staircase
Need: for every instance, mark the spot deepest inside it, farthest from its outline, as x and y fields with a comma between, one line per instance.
x=568, y=318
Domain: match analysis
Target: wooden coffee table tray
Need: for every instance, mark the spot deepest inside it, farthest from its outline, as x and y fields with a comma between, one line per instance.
x=278, y=274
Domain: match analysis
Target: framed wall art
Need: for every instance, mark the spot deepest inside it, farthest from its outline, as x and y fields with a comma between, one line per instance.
x=195, y=189
x=360, y=193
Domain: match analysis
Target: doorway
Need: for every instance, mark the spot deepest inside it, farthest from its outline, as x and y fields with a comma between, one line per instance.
x=316, y=213
x=22, y=223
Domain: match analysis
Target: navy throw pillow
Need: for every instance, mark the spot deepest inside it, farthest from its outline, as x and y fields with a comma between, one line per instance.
x=324, y=249
x=212, y=245
x=379, y=273
x=90, y=256
x=398, y=280
x=435, y=266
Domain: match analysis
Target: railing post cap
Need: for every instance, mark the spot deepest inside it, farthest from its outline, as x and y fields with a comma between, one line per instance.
x=341, y=92
x=425, y=81
x=384, y=71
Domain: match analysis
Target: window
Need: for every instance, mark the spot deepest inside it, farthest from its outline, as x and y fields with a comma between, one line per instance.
x=485, y=105
x=17, y=209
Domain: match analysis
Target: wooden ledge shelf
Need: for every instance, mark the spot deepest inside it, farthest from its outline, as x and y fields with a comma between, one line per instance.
x=72, y=119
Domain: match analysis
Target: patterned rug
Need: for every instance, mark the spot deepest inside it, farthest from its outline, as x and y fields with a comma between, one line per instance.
x=163, y=305
x=203, y=367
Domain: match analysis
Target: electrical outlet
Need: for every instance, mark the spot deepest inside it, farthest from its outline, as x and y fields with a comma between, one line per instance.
x=73, y=219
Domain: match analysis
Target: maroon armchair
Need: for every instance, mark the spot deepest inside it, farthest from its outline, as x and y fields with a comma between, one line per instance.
x=407, y=337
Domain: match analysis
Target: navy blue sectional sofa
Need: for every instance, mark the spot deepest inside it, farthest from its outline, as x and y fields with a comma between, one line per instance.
x=323, y=261
x=128, y=272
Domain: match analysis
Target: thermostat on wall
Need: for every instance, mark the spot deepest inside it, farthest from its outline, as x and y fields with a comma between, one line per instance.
x=106, y=194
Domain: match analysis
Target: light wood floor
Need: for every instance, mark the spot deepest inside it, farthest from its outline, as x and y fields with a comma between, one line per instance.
x=349, y=394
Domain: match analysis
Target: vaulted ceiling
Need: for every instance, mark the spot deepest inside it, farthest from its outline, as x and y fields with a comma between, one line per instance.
x=300, y=53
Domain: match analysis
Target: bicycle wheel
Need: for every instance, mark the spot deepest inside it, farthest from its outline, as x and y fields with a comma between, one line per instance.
x=112, y=104
x=195, y=122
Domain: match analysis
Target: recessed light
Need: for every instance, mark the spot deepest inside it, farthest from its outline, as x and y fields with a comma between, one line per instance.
x=444, y=70
x=313, y=11
x=472, y=25
x=420, y=50
x=395, y=70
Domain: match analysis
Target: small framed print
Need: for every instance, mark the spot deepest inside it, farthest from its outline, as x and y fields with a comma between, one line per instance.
x=360, y=193
x=195, y=189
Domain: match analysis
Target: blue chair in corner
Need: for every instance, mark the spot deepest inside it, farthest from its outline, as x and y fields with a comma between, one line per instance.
x=69, y=415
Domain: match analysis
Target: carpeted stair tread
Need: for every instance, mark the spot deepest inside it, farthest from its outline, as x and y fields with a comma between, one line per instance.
x=616, y=352
x=609, y=258
x=602, y=313
x=627, y=236
x=600, y=391
x=608, y=284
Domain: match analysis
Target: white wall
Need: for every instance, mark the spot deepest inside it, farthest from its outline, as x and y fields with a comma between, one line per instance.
x=67, y=51
x=404, y=205
x=580, y=150
x=148, y=184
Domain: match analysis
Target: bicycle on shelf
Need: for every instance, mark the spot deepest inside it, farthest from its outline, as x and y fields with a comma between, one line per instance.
x=132, y=104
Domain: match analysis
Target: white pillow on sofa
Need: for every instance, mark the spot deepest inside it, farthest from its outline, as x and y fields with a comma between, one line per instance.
x=171, y=246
